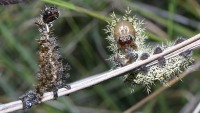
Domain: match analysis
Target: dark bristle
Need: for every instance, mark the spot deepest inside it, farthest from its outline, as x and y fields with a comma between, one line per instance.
x=144, y=56
x=157, y=50
x=144, y=68
x=186, y=54
x=179, y=40
x=132, y=57
x=161, y=62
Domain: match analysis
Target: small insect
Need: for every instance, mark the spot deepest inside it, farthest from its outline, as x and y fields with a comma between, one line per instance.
x=49, y=14
x=124, y=34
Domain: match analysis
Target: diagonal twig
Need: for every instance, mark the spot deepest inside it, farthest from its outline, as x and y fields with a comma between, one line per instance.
x=95, y=79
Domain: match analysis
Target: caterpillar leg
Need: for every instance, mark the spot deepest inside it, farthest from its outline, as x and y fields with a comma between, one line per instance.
x=55, y=94
x=29, y=99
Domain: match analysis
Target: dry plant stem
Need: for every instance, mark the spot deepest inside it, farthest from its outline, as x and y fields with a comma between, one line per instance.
x=197, y=109
x=90, y=81
x=163, y=88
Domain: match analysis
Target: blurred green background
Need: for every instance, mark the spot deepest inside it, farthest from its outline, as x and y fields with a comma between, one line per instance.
x=80, y=33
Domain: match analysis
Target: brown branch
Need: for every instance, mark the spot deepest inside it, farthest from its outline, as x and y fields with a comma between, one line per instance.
x=93, y=80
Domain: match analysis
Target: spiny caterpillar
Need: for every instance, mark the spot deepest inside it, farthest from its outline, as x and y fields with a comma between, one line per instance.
x=127, y=43
x=52, y=66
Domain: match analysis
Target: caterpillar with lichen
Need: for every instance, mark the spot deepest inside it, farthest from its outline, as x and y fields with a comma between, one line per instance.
x=53, y=69
x=127, y=44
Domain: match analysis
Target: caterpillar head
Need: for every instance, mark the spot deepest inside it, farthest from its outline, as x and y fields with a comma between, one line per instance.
x=124, y=34
x=49, y=14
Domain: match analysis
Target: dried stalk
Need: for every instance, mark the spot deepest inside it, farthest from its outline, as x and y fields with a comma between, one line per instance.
x=197, y=109
x=189, y=44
